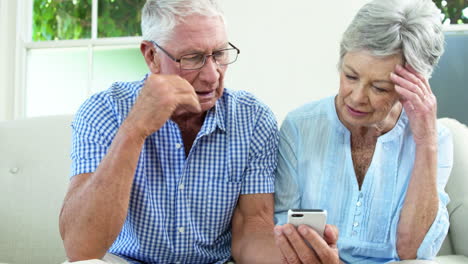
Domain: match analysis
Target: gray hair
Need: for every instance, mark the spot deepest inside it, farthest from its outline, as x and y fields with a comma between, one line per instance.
x=412, y=28
x=159, y=17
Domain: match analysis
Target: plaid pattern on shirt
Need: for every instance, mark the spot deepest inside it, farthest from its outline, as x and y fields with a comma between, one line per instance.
x=181, y=207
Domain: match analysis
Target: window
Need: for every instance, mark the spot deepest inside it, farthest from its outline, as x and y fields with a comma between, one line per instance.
x=74, y=48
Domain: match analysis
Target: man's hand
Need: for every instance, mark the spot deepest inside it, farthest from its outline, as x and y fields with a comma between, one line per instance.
x=161, y=97
x=305, y=245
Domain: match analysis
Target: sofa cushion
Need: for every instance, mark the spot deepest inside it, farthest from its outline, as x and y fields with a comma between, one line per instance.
x=34, y=172
x=453, y=259
x=457, y=187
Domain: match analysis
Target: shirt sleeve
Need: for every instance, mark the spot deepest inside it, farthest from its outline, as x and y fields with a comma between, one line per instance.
x=258, y=176
x=439, y=228
x=287, y=193
x=93, y=129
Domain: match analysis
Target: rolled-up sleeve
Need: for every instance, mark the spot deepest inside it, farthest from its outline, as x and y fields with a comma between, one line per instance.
x=93, y=129
x=258, y=176
x=439, y=228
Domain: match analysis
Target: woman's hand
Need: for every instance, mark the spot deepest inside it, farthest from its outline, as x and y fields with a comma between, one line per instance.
x=419, y=103
x=305, y=245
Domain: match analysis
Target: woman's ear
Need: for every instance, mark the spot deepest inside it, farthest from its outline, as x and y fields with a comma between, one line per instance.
x=151, y=57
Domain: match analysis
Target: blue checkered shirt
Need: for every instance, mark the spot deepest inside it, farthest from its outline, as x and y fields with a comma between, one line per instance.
x=181, y=207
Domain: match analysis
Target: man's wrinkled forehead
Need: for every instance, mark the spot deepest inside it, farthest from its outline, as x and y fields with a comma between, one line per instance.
x=199, y=34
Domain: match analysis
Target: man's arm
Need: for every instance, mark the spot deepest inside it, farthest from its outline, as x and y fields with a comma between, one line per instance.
x=252, y=230
x=96, y=204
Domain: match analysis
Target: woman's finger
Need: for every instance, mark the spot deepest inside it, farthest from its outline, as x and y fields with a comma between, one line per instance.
x=411, y=76
x=324, y=253
x=330, y=234
x=408, y=85
x=409, y=99
x=305, y=253
x=423, y=79
x=289, y=255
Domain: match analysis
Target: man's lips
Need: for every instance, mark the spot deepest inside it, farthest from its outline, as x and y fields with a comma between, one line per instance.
x=355, y=112
x=206, y=94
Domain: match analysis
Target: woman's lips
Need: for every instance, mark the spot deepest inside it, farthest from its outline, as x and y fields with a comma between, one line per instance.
x=355, y=112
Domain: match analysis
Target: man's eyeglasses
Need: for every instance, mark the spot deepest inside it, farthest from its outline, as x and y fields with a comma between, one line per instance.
x=195, y=61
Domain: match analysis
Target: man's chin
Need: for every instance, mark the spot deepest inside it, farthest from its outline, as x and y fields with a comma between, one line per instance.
x=207, y=105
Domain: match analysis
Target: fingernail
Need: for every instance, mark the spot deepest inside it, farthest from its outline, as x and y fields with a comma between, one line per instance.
x=277, y=230
x=392, y=75
x=399, y=67
x=287, y=231
x=303, y=230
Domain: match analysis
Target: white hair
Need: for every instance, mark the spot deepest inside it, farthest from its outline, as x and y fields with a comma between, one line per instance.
x=159, y=17
x=412, y=28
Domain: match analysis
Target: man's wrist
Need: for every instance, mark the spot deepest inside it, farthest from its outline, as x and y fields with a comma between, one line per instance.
x=129, y=131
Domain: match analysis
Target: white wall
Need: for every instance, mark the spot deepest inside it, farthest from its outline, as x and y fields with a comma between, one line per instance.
x=289, y=49
x=7, y=58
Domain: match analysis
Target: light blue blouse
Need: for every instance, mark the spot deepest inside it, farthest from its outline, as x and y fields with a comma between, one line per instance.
x=315, y=171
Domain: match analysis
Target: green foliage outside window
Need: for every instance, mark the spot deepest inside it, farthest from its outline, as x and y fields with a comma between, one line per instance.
x=455, y=10
x=61, y=19
x=71, y=19
x=119, y=18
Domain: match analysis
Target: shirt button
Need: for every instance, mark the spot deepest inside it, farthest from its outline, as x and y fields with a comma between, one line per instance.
x=358, y=203
x=181, y=186
x=181, y=230
x=14, y=170
x=355, y=224
x=178, y=145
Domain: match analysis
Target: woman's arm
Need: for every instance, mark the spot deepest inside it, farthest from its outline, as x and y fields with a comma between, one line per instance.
x=421, y=202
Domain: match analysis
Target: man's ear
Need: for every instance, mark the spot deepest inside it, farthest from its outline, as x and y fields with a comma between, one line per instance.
x=151, y=57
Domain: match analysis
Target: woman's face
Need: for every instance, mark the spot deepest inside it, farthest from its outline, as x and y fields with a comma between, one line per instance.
x=367, y=97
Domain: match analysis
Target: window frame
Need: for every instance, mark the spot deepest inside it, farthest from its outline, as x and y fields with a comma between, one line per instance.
x=7, y=53
x=455, y=28
x=24, y=44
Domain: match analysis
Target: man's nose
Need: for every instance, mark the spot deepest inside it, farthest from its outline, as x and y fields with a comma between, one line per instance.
x=210, y=71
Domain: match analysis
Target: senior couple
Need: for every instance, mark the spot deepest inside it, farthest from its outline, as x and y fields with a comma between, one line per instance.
x=177, y=169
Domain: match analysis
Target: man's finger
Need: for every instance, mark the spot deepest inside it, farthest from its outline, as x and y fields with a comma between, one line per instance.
x=189, y=102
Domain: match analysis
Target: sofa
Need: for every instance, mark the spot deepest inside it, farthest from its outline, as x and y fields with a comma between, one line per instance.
x=34, y=168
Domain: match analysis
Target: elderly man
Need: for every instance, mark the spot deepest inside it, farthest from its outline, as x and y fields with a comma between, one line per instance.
x=170, y=168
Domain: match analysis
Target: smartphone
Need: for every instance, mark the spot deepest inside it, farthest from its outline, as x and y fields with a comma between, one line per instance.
x=315, y=218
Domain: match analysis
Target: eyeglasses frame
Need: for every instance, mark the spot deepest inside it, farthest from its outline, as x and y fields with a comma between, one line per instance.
x=204, y=59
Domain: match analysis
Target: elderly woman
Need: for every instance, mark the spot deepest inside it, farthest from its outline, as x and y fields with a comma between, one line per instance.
x=373, y=156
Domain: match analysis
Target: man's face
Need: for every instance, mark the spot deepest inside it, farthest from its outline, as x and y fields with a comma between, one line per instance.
x=198, y=34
